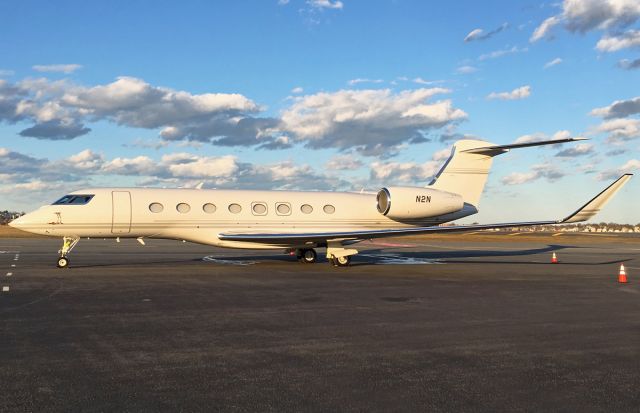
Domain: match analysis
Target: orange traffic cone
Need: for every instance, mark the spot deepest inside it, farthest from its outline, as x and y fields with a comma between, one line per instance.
x=554, y=259
x=622, y=275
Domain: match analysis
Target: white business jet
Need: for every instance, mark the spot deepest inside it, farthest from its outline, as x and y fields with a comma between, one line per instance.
x=297, y=221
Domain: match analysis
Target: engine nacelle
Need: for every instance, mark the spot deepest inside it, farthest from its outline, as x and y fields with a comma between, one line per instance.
x=404, y=202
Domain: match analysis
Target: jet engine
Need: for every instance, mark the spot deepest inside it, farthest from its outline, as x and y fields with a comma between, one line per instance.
x=402, y=202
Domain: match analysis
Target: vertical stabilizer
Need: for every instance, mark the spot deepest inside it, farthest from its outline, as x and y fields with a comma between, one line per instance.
x=466, y=170
x=465, y=173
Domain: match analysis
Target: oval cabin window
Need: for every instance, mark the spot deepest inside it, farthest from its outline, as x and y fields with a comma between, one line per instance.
x=283, y=209
x=259, y=208
x=183, y=208
x=306, y=209
x=156, y=207
x=235, y=208
x=209, y=208
x=329, y=209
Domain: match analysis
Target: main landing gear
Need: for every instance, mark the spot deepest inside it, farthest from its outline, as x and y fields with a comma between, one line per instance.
x=67, y=245
x=307, y=255
x=336, y=254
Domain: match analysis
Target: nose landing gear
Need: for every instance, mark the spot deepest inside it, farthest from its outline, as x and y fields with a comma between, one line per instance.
x=67, y=245
x=341, y=261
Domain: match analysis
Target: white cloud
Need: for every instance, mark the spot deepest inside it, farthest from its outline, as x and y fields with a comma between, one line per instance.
x=175, y=169
x=403, y=172
x=85, y=160
x=630, y=166
x=59, y=68
x=373, y=121
x=518, y=93
x=420, y=81
x=546, y=171
x=5, y=72
x=409, y=172
x=297, y=90
x=579, y=149
x=356, y=81
x=283, y=2
x=466, y=69
x=539, y=136
x=618, y=109
x=620, y=130
x=59, y=110
x=561, y=134
x=479, y=34
x=517, y=178
x=627, y=64
x=140, y=165
x=343, y=163
x=613, y=43
x=473, y=35
x=148, y=143
x=202, y=167
x=585, y=15
x=442, y=154
x=544, y=28
x=502, y=52
x=553, y=62
x=325, y=4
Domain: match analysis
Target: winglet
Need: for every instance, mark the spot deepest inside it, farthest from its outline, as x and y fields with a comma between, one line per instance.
x=594, y=206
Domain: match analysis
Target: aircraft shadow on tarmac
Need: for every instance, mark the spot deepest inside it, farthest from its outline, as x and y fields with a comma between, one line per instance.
x=383, y=256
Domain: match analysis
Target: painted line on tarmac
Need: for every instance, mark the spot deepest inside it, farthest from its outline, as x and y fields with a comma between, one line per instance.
x=464, y=248
x=211, y=258
x=396, y=259
x=391, y=244
x=9, y=274
x=5, y=288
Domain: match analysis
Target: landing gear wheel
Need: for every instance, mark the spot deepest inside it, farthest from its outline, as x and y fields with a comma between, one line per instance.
x=342, y=261
x=63, y=262
x=308, y=256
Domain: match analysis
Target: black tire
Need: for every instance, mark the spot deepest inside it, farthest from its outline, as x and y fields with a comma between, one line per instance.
x=343, y=261
x=63, y=262
x=308, y=256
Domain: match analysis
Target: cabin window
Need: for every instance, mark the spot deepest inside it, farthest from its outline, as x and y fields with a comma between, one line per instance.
x=306, y=209
x=74, y=200
x=259, y=208
x=329, y=209
x=156, y=207
x=283, y=208
x=183, y=208
x=235, y=208
x=209, y=208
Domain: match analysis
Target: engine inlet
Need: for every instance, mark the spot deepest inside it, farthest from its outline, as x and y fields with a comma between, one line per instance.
x=384, y=201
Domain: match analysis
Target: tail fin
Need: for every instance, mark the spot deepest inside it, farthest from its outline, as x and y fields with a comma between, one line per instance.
x=466, y=170
x=465, y=173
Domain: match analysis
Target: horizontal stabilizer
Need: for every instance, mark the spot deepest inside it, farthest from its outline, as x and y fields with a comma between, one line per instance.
x=494, y=150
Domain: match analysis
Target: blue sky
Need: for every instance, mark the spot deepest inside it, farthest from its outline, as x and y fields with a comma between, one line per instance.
x=319, y=94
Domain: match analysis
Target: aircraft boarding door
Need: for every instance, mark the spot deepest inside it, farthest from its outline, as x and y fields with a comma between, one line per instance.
x=121, y=212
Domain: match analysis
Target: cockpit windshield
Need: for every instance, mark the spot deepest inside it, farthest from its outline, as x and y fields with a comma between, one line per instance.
x=74, y=200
